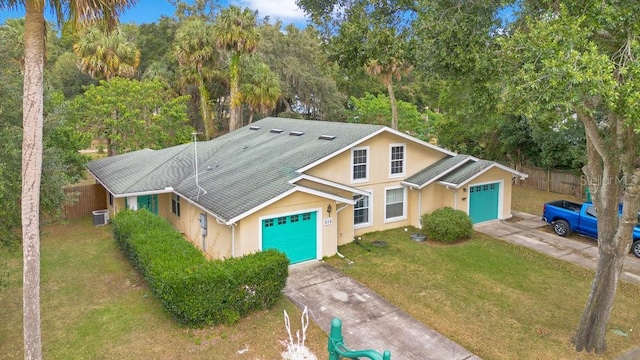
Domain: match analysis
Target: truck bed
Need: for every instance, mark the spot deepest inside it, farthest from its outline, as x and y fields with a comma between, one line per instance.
x=566, y=205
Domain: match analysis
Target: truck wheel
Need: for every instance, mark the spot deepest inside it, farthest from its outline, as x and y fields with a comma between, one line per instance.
x=636, y=248
x=561, y=228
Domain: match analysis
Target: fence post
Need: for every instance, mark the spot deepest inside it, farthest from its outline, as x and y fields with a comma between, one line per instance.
x=335, y=338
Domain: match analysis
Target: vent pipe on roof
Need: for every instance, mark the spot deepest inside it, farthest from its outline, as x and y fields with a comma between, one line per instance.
x=195, y=164
x=326, y=137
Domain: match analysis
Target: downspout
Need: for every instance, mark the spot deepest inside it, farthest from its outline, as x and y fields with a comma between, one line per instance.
x=233, y=240
x=233, y=236
x=455, y=199
x=419, y=203
x=337, y=211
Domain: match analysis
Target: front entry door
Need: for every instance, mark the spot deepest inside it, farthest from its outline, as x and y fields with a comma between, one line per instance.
x=149, y=202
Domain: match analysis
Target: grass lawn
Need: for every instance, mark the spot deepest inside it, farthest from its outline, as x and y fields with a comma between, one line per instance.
x=498, y=300
x=531, y=200
x=95, y=306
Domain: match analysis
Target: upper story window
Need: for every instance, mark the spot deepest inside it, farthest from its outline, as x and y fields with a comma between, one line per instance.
x=397, y=156
x=360, y=164
x=110, y=199
x=175, y=204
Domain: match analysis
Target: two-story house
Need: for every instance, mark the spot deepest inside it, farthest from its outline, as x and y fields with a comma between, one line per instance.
x=303, y=187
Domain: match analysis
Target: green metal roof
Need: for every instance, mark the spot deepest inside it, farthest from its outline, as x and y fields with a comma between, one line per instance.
x=238, y=171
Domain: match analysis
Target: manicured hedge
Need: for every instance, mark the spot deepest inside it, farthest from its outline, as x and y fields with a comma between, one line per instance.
x=197, y=291
x=447, y=225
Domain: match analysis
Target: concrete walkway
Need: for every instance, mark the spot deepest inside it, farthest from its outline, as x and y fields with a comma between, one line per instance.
x=527, y=232
x=368, y=321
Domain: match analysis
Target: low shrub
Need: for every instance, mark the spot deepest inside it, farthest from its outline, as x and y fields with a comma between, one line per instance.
x=194, y=290
x=447, y=225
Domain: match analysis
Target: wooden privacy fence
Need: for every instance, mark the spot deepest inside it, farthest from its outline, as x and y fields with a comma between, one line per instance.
x=568, y=182
x=89, y=198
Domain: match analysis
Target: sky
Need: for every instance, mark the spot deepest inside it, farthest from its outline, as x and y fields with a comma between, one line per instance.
x=148, y=11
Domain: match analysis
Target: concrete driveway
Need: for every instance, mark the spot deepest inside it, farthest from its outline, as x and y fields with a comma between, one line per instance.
x=369, y=322
x=526, y=231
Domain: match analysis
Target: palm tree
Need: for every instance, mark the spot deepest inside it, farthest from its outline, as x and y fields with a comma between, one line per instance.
x=261, y=90
x=236, y=32
x=386, y=73
x=195, y=50
x=79, y=11
x=103, y=56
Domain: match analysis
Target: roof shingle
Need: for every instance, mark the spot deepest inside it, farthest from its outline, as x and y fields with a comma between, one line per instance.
x=237, y=171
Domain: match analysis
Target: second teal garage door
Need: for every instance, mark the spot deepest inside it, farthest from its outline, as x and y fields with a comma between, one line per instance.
x=295, y=235
x=483, y=202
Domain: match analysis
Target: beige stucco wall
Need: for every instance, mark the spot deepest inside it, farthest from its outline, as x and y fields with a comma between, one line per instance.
x=436, y=196
x=118, y=205
x=217, y=242
x=339, y=169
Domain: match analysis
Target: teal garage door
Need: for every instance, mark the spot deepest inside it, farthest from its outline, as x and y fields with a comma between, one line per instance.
x=483, y=202
x=295, y=235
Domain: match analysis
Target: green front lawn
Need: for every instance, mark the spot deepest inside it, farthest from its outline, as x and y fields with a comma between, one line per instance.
x=498, y=300
x=531, y=200
x=95, y=306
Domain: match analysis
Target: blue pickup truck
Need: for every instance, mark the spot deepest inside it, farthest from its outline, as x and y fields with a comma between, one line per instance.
x=567, y=217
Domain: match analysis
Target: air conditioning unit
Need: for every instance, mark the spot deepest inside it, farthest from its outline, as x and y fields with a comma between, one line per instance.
x=101, y=217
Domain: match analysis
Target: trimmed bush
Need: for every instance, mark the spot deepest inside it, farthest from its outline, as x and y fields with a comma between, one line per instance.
x=194, y=290
x=447, y=225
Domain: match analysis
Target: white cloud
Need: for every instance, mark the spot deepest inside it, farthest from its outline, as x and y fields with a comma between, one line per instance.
x=285, y=10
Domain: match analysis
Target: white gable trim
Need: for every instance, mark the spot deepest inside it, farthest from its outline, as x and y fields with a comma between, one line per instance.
x=284, y=195
x=356, y=143
x=323, y=194
x=166, y=190
x=457, y=186
x=452, y=168
x=330, y=183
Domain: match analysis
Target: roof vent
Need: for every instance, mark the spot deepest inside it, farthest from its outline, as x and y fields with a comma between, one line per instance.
x=326, y=137
x=277, y=131
x=254, y=127
x=296, y=133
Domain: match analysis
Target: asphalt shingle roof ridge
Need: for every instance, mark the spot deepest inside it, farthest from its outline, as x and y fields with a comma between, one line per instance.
x=267, y=162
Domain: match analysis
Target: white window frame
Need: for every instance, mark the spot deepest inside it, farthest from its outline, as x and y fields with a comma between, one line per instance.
x=175, y=198
x=404, y=204
x=370, y=213
x=366, y=178
x=391, y=160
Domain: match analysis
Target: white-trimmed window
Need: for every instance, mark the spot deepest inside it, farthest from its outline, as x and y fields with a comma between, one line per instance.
x=396, y=156
x=111, y=199
x=362, y=211
x=175, y=204
x=360, y=164
x=395, y=204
